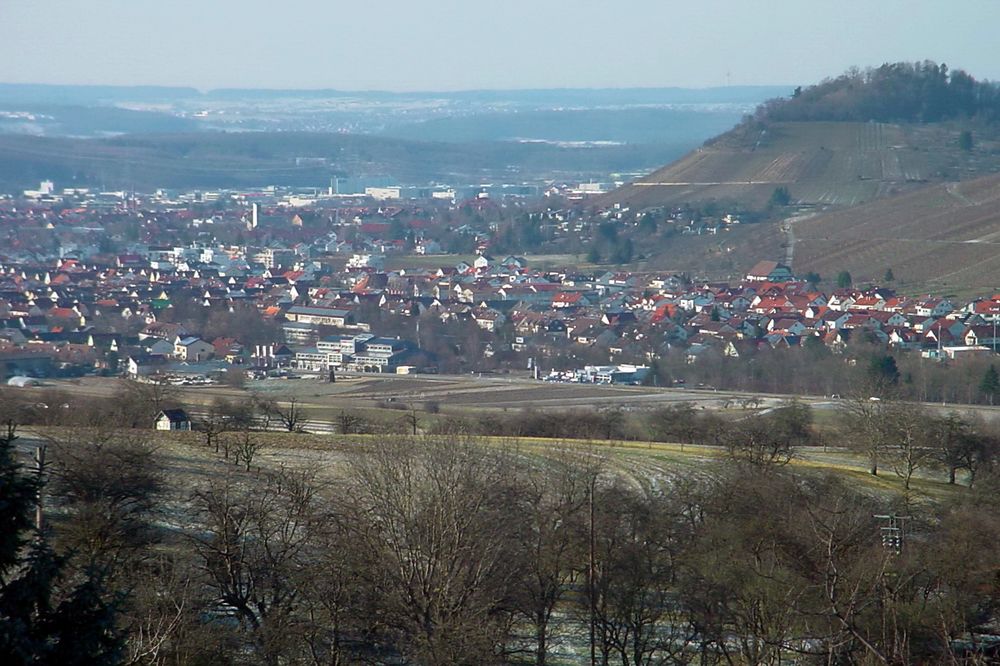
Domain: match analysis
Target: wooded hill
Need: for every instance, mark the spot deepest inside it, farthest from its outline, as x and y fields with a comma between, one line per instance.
x=856, y=138
x=923, y=92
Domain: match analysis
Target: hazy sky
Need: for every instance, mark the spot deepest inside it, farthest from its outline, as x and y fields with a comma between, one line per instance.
x=461, y=44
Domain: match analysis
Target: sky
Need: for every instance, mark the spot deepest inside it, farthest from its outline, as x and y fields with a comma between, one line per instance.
x=408, y=45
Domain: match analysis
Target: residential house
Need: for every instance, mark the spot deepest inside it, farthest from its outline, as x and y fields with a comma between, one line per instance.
x=145, y=365
x=770, y=271
x=982, y=336
x=172, y=419
x=193, y=349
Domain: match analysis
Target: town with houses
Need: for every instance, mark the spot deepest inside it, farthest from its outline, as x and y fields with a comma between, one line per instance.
x=192, y=285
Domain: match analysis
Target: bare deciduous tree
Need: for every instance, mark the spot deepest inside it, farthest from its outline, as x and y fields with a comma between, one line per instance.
x=136, y=404
x=289, y=414
x=636, y=619
x=255, y=550
x=412, y=421
x=909, y=440
x=553, y=502
x=213, y=424
x=111, y=484
x=758, y=441
x=866, y=424
x=246, y=446
x=349, y=423
x=440, y=543
x=159, y=604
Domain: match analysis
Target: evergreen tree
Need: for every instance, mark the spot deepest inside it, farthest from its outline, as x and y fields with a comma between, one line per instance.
x=42, y=619
x=844, y=279
x=965, y=141
x=624, y=251
x=889, y=276
x=780, y=197
x=883, y=370
x=990, y=383
x=17, y=498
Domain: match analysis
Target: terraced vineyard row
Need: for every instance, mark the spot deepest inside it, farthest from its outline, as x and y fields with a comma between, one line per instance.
x=942, y=238
x=822, y=163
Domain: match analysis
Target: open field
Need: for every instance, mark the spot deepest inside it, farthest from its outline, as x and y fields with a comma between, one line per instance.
x=386, y=397
x=189, y=463
x=455, y=394
x=429, y=261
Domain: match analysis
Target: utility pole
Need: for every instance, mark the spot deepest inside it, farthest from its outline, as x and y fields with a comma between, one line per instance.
x=590, y=577
x=892, y=532
x=40, y=471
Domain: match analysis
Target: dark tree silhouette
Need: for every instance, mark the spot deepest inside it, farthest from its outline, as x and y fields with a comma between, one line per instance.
x=990, y=383
x=897, y=92
x=45, y=618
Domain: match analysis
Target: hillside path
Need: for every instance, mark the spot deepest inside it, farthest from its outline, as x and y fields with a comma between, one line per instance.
x=952, y=189
x=788, y=228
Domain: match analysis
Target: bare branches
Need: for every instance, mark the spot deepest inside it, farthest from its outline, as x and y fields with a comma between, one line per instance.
x=255, y=546
x=451, y=549
x=757, y=441
x=245, y=448
x=111, y=483
x=289, y=414
x=438, y=535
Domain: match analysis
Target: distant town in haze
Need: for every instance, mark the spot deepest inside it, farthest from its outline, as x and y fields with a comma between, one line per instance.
x=567, y=280
x=641, y=376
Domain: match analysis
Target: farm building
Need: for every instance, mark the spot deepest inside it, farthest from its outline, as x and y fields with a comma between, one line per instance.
x=173, y=419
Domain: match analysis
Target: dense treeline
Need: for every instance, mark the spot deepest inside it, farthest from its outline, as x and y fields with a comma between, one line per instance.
x=906, y=438
x=789, y=424
x=815, y=369
x=897, y=92
x=450, y=550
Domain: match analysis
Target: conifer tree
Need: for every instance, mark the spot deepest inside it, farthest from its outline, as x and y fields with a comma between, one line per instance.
x=990, y=383
x=45, y=618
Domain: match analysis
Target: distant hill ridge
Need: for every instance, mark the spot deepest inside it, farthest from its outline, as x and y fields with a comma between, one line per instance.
x=37, y=93
x=254, y=159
